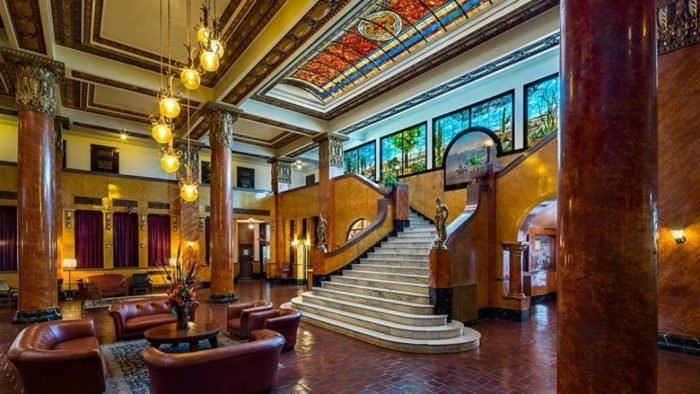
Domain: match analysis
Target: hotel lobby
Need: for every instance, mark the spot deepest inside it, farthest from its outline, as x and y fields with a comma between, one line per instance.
x=351, y=196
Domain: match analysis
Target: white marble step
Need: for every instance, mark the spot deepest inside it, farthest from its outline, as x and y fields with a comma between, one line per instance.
x=388, y=255
x=404, y=242
x=469, y=340
x=402, y=251
x=392, y=268
x=388, y=276
x=419, y=237
x=396, y=262
x=409, y=319
x=383, y=284
x=380, y=325
x=389, y=294
x=381, y=302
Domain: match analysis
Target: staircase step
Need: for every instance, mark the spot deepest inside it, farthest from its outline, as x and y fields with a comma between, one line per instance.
x=387, y=276
x=404, y=242
x=389, y=294
x=397, y=262
x=383, y=284
x=405, y=249
x=389, y=315
x=381, y=302
x=419, y=229
x=421, y=237
x=444, y=331
x=415, y=270
x=403, y=257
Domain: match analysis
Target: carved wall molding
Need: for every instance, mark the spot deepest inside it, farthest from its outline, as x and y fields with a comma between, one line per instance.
x=220, y=117
x=678, y=23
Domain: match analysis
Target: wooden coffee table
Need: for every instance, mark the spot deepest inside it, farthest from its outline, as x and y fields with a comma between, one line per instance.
x=195, y=332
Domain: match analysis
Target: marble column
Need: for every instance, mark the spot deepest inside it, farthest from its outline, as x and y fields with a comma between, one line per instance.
x=281, y=174
x=221, y=117
x=330, y=165
x=606, y=265
x=515, y=268
x=35, y=79
x=189, y=211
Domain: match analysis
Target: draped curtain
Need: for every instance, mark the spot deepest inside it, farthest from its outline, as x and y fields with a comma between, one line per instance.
x=88, y=239
x=207, y=238
x=8, y=238
x=126, y=239
x=158, y=240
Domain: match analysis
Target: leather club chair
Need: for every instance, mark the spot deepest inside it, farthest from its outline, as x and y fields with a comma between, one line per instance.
x=132, y=318
x=60, y=356
x=238, y=316
x=106, y=285
x=141, y=283
x=249, y=367
x=284, y=321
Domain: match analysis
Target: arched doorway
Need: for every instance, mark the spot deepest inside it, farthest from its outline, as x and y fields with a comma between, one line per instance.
x=539, y=229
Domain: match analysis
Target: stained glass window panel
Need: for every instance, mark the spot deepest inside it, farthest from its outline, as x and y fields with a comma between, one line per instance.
x=496, y=114
x=404, y=152
x=542, y=112
x=445, y=128
x=362, y=160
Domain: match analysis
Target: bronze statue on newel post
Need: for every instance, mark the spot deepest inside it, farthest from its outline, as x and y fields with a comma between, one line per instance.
x=321, y=233
x=441, y=215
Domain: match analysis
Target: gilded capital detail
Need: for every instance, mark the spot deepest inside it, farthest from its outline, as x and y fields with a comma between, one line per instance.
x=190, y=155
x=35, y=81
x=221, y=117
x=330, y=149
x=678, y=23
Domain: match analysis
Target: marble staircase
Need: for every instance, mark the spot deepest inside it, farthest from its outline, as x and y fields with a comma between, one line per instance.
x=384, y=299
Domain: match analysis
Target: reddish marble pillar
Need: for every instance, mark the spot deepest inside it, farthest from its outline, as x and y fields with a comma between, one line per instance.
x=221, y=117
x=281, y=180
x=515, y=268
x=35, y=80
x=607, y=296
x=189, y=211
x=440, y=289
x=330, y=165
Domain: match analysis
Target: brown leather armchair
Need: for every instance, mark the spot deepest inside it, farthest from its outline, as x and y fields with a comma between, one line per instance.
x=237, y=316
x=284, y=321
x=132, y=318
x=246, y=368
x=110, y=285
x=59, y=357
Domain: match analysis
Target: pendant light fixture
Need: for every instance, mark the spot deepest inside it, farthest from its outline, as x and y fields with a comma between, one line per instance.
x=162, y=130
x=168, y=102
x=209, y=37
x=190, y=76
x=189, y=187
x=170, y=158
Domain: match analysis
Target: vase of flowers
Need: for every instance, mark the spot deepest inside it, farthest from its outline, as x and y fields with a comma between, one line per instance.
x=182, y=293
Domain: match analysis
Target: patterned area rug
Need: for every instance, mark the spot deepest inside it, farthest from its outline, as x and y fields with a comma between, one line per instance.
x=107, y=302
x=127, y=374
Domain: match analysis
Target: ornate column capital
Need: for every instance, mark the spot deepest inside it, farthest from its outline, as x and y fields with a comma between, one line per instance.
x=221, y=117
x=281, y=172
x=190, y=155
x=35, y=80
x=516, y=247
x=330, y=149
x=678, y=24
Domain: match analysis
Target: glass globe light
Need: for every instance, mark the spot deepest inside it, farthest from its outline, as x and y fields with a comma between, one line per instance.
x=217, y=47
x=169, y=106
x=169, y=163
x=190, y=78
x=189, y=192
x=161, y=133
x=209, y=61
x=203, y=35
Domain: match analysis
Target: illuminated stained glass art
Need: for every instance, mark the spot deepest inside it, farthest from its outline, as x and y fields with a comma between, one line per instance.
x=379, y=37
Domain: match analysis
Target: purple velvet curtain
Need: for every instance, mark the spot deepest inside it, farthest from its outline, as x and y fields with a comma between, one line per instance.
x=126, y=239
x=8, y=238
x=88, y=239
x=158, y=240
x=207, y=238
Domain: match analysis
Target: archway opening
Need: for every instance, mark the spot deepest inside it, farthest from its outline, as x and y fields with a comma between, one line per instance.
x=540, y=230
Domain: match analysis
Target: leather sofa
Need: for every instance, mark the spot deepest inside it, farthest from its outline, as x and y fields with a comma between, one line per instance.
x=132, y=318
x=245, y=368
x=284, y=321
x=237, y=316
x=60, y=356
x=104, y=285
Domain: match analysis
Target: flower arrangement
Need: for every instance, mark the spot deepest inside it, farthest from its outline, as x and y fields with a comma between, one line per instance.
x=182, y=293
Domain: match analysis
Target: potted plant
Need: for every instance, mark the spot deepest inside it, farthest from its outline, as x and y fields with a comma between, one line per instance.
x=387, y=183
x=182, y=294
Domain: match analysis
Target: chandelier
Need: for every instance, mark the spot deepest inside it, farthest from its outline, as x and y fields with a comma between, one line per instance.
x=170, y=158
x=211, y=45
x=189, y=190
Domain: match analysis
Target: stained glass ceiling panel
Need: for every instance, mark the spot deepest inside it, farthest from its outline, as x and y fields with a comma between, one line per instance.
x=381, y=36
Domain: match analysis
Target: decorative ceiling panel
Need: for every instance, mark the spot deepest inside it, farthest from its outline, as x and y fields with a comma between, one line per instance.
x=26, y=24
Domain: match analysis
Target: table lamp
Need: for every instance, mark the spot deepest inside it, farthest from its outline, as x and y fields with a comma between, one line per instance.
x=68, y=265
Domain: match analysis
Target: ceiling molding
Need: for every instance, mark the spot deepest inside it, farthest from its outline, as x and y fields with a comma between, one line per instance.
x=316, y=18
x=278, y=141
x=455, y=49
x=25, y=17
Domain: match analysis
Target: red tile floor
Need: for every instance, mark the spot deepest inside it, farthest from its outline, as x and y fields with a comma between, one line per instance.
x=513, y=357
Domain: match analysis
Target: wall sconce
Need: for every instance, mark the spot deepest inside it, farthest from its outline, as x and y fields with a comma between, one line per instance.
x=142, y=245
x=294, y=243
x=143, y=221
x=108, y=221
x=678, y=235
x=174, y=223
x=190, y=244
x=307, y=242
x=251, y=226
x=172, y=262
x=69, y=220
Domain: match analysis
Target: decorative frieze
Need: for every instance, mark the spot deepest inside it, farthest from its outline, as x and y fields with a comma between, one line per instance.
x=678, y=24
